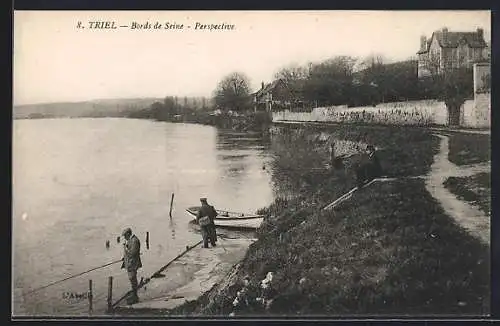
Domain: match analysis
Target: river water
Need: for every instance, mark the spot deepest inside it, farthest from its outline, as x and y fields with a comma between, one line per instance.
x=78, y=182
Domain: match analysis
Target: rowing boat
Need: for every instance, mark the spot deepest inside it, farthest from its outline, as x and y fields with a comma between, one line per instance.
x=231, y=219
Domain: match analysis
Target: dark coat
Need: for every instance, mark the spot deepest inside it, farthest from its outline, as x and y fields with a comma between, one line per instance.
x=132, y=254
x=374, y=168
x=207, y=210
x=369, y=168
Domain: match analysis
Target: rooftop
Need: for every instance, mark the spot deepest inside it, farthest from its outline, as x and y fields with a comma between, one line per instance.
x=448, y=39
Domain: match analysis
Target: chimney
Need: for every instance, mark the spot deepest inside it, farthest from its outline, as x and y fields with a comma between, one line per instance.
x=445, y=35
x=423, y=42
x=480, y=33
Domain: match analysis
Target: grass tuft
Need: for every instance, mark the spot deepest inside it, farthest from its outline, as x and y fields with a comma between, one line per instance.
x=475, y=189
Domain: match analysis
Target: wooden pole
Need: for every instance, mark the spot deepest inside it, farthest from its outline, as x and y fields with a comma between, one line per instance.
x=171, y=203
x=110, y=293
x=90, y=297
x=147, y=240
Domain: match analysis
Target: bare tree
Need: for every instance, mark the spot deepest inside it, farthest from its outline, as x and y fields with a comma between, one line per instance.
x=433, y=64
x=293, y=76
x=233, y=92
x=371, y=61
x=291, y=73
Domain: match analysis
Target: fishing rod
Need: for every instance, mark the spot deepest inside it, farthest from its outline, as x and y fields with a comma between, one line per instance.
x=73, y=276
x=147, y=280
x=76, y=275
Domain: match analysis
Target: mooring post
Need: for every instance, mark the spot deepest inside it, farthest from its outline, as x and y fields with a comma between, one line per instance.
x=171, y=203
x=110, y=293
x=147, y=240
x=90, y=297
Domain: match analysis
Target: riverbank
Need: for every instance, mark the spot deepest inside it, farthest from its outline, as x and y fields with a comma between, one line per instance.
x=390, y=249
x=187, y=277
x=248, y=121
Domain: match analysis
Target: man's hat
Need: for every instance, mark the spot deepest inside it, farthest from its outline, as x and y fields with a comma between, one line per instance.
x=127, y=231
x=204, y=199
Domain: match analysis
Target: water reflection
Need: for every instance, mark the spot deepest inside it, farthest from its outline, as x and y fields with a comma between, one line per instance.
x=172, y=228
x=241, y=158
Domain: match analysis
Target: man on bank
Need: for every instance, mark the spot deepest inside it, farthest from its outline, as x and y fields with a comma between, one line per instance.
x=131, y=261
x=205, y=219
x=369, y=168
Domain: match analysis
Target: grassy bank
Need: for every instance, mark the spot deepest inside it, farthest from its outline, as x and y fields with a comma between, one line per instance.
x=475, y=189
x=403, y=151
x=389, y=250
x=469, y=148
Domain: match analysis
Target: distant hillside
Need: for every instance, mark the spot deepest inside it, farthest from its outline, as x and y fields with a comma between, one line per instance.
x=94, y=108
x=100, y=108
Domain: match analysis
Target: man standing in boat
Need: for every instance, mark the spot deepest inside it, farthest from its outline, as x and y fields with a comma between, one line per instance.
x=205, y=219
x=131, y=261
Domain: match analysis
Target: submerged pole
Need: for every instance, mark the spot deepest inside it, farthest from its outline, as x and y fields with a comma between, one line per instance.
x=90, y=297
x=110, y=293
x=147, y=240
x=171, y=203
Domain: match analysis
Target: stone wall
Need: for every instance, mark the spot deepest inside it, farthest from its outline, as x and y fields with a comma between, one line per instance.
x=482, y=111
x=477, y=113
x=473, y=113
x=481, y=71
x=408, y=113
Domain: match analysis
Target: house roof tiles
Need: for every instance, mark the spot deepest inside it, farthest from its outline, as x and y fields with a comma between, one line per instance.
x=453, y=39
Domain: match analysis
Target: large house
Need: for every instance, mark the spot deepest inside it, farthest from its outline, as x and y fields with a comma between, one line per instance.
x=448, y=50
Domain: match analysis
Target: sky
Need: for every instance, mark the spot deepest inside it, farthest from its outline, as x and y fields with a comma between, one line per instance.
x=55, y=61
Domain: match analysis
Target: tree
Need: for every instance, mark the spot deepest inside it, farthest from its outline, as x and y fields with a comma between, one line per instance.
x=171, y=107
x=330, y=82
x=373, y=77
x=293, y=76
x=291, y=73
x=433, y=63
x=454, y=87
x=371, y=62
x=233, y=92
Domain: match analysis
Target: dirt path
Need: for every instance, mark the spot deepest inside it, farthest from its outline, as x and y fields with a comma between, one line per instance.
x=469, y=217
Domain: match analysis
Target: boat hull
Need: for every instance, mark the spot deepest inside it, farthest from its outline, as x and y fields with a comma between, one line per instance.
x=231, y=220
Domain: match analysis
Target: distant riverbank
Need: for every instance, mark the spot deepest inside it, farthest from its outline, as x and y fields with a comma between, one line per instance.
x=248, y=121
